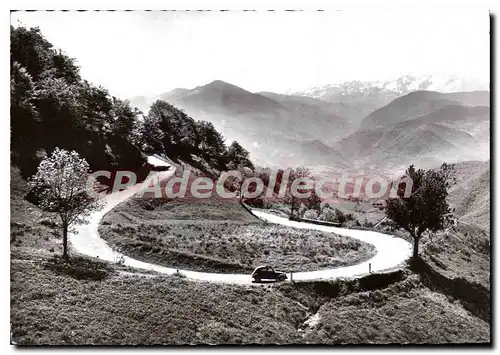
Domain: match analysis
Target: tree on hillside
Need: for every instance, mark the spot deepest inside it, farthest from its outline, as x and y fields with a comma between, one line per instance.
x=136, y=135
x=327, y=214
x=152, y=134
x=48, y=96
x=167, y=120
x=65, y=67
x=235, y=184
x=124, y=117
x=51, y=105
x=296, y=173
x=23, y=112
x=31, y=50
x=314, y=201
x=426, y=209
x=339, y=217
x=178, y=133
x=61, y=186
x=238, y=157
x=212, y=146
x=264, y=175
x=310, y=214
x=96, y=107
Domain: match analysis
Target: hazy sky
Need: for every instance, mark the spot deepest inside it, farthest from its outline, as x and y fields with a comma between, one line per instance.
x=141, y=53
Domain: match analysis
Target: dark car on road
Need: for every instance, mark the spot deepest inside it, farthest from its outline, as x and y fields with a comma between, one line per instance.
x=266, y=272
x=160, y=168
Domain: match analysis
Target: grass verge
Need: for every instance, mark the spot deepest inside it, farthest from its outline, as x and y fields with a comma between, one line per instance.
x=199, y=237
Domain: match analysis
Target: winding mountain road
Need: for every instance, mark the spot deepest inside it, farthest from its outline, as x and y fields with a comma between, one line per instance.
x=391, y=251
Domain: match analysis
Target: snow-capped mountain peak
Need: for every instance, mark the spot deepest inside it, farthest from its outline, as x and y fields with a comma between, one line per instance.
x=400, y=86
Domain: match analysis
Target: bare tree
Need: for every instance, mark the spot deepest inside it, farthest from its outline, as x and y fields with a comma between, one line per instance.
x=61, y=186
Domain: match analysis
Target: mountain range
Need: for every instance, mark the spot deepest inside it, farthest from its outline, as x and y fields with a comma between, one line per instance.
x=418, y=103
x=347, y=126
x=375, y=94
x=276, y=129
x=423, y=127
x=398, y=87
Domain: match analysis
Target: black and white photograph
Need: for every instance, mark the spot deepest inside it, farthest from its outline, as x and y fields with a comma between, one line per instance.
x=250, y=177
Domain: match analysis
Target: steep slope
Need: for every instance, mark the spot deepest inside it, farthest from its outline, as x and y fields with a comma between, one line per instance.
x=221, y=97
x=420, y=143
x=52, y=106
x=470, y=98
x=407, y=142
x=465, y=128
x=271, y=126
x=470, y=196
x=310, y=153
x=341, y=114
x=224, y=101
x=473, y=120
x=457, y=106
x=457, y=113
x=405, y=108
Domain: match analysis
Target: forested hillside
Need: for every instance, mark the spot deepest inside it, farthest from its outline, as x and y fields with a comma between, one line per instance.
x=170, y=131
x=52, y=105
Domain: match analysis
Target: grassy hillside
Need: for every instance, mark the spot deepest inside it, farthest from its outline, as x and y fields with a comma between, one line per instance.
x=470, y=196
x=219, y=235
x=30, y=228
x=465, y=250
x=405, y=312
x=91, y=302
x=133, y=310
x=87, y=301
